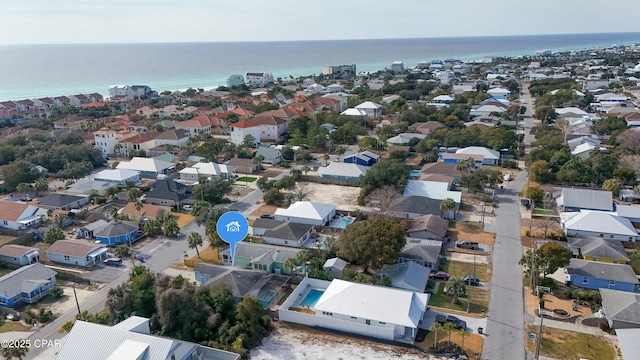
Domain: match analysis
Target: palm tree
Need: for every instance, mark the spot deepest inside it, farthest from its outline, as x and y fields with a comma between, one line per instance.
x=111, y=192
x=195, y=240
x=326, y=158
x=133, y=194
x=463, y=333
x=456, y=288
x=10, y=352
x=153, y=227
x=305, y=169
x=447, y=205
x=113, y=212
x=139, y=206
x=41, y=185
x=212, y=235
x=449, y=328
x=464, y=166
x=436, y=327
x=23, y=187
x=291, y=264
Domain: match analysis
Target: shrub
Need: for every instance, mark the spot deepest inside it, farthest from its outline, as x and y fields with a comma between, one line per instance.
x=509, y=164
x=549, y=282
x=100, y=200
x=56, y=291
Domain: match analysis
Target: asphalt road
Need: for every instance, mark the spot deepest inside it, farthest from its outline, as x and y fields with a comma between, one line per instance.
x=505, y=323
x=528, y=117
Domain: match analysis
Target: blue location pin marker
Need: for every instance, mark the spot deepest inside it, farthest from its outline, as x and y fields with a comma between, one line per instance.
x=232, y=228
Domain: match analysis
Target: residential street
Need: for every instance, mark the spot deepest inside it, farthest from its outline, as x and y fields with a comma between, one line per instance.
x=505, y=324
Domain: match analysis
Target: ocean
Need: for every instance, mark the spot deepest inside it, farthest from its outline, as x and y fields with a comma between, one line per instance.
x=33, y=71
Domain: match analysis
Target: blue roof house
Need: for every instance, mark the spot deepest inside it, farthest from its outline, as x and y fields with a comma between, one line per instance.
x=600, y=275
x=365, y=158
x=26, y=285
x=117, y=232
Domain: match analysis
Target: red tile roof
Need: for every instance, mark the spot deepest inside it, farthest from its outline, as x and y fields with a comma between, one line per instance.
x=141, y=137
x=243, y=124
x=94, y=104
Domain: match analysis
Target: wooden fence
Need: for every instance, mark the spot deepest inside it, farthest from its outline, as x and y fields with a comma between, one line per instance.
x=321, y=180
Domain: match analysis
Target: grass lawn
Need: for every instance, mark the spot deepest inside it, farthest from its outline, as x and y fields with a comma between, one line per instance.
x=542, y=211
x=479, y=300
x=462, y=269
x=247, y=179
x=470, y=230
x=569, y=345
x=13, y=326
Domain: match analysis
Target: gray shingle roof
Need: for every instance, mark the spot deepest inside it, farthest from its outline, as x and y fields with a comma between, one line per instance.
x=603, y=271
x=425, y=252
x=265, y=253
x=288, y=231
x=116, y=228
x=59, y=200
x=407, y=274
x=416, y=204
x=598, y=248
x=621, y=305
x=586, y=199
x=166, y=189
x=25, y=279
x=209, y=269
x=267, y=223
x=247, y=282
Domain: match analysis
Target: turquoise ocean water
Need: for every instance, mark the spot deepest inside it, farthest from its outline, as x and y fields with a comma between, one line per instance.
x=30, y=71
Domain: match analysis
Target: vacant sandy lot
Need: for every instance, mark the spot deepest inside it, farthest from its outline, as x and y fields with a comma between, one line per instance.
x=67, y=301
x=343, y=197
x=289, y=341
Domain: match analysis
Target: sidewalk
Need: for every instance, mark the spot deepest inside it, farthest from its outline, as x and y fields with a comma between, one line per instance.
x=576, y=328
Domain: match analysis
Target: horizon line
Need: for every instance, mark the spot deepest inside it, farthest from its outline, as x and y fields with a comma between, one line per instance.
x=320, y=40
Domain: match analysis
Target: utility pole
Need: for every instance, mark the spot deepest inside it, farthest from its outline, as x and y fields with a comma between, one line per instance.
x=469, y=282
x=76, y=296
x=133, y=255
x=539, y=342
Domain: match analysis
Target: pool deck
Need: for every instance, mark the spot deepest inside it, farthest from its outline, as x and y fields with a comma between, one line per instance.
x=303, y=296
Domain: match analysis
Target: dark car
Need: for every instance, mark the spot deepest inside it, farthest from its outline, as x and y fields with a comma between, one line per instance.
x=440, y=275
x=467, y=244
x=443, y=319
x=112, y=261
x=471, y=280
x=267, y=216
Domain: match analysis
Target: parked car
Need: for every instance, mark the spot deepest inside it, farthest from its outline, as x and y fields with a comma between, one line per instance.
x=443, y=319
x=471, y=280
x=26, y=198
x=467, y=244
x=439, y=275
x=267, y=216
x=187, y=207
x=112, y=261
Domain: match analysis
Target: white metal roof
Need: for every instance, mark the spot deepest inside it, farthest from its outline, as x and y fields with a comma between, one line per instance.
x=371, y=302
x=595, y=221
x=629, y=344
x=95, y=341
x=343, y=169
x=369, y=105
x=353, y=112
x=116, y=174
x=307, y=210
x=146, y=164
x=479, y=150
x=431, y=189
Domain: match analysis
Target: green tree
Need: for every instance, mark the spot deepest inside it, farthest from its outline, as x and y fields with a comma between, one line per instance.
x=122, y=251
x=535, y=194
x=449, y=327
x=133, y=194
x=614, y=185
x=41, y=185
x=111, y=192
x=153, y=227
x=53, y=234
x=14, y=352
x=273, y=196
x=384, y=172
x=539, y=172
x=213, y=190
x=463, y=333
x=436, y=328
x=625, y=174
x=532, y=264
x=56, y=291
x=553, y=257
x=372, y=243
x=447, y=205
x=574, y=171
x=465, y=166
x=170, y=228
x=455, y=288
x=194, y=240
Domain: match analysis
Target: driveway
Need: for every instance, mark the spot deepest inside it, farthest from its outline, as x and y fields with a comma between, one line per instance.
x=472, y=323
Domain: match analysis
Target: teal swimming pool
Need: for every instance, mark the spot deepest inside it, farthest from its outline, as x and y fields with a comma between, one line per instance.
x=414, y=173
x=312, y=298
x=343, y=223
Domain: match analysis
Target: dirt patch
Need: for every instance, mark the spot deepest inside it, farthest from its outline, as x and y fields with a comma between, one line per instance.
x=343, y=197
x=472, y=342
x=207, y=255
x=240, y=191
x=268, y=173
x=469, y=230
x=569, y=345
x=293, y=341
x=265, y=209
x=182, y=219
x=552, y=302
x=67, y=301
x=4, y=239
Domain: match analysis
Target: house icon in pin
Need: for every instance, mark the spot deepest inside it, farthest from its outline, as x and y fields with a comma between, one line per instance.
x=233, y=226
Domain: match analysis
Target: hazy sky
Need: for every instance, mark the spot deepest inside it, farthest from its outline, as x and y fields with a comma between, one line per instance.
x=118, y=21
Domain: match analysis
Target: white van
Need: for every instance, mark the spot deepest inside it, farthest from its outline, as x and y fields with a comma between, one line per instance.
x=507, y=177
